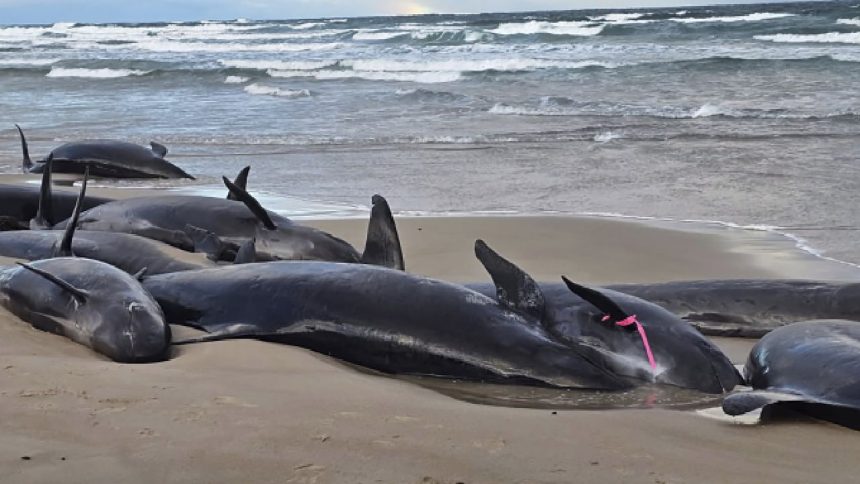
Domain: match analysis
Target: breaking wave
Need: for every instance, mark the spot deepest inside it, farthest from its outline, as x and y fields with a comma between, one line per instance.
x=94, y=73
x=262, y=90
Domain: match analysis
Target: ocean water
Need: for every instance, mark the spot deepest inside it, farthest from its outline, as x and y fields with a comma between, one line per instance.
x=749, y=115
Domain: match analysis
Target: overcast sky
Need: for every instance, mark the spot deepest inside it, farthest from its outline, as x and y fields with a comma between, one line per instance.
x=49, y=11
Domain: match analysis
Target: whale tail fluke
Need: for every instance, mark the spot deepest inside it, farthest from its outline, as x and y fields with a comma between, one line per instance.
x=44, y=218
x=382, y=247
x=27, y=164
x=253, y=205
x=240, y=181
x=65, y=249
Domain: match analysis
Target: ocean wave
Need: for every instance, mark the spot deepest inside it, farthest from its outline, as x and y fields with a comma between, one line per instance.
x=94, y=73
x=263, y=90
x=826, y=38
x=23, y=61
x=606, y=136
x=561, y=106
x=236, y=80
x=573, y=28
x=377, y=35
x=477, y=65
x=428, y=95
x=753, y=17
x=849, y=21
x=266, y=64
x=171, y=46
x=419, y=77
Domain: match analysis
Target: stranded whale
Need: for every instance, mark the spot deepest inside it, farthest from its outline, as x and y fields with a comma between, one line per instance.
x=578, y=315
x=106, y=158
x=177, y=219
x=750, y=307
x=812, y=367
x=90, y=302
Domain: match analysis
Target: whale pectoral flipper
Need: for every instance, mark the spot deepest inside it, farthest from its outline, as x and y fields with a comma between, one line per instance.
x=159, y=149
x=205, y=241
x=78, y=294
x=382, y=247
x=240, y=181
x=250, y=202
x=739, y=403
x=514, y=288
x=222, y=332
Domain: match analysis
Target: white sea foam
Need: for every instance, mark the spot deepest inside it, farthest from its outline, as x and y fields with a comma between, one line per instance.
x=618, y=17
x=606, y=136
x=849, y=21
x=584, y=29
x=753, y=17
x=262, y=90
x=477, y=65
x=709, y=110
x=236, y=80
x=376, y=35
x=94, y=73
x=826, y=38
x=264, y=64
x=306, y=25
x=171, y=46
x=419, y=77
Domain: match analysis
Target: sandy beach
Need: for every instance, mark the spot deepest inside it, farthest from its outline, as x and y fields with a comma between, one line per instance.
x=247, y=411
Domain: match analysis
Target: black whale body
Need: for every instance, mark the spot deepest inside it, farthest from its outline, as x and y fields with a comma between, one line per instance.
x=750, y=307
x=812, y=367
x=380, y=318
x=105, y=158
x=90, y=302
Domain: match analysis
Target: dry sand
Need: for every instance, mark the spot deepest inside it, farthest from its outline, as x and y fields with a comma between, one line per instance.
x=247, y=411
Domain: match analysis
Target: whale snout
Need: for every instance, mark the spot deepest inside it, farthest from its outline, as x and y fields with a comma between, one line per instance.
x=133, y=332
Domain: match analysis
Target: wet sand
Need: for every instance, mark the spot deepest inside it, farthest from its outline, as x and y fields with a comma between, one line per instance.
x=247, y=411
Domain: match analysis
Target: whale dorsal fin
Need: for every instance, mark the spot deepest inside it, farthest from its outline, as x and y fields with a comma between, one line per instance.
x=598, y=300
x=44, y=218
x=78, y=294
x=65, y=249
x=250, y=202
x=247, y=252
x=159, y=149
x=382, y=247
x=514, y=288
x=26, y=164
x=240, y=181
x=205, y=241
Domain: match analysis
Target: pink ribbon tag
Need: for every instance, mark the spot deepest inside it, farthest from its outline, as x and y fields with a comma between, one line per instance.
x=632, y=320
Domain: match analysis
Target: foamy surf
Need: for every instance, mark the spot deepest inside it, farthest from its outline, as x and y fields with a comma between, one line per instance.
x=263, y=90
x=94, y=73
x=826, y=38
